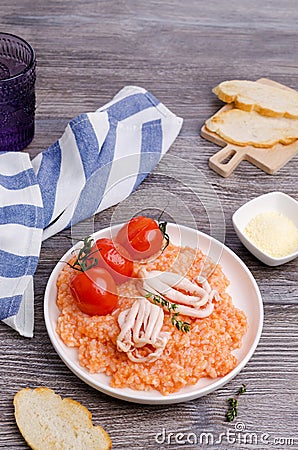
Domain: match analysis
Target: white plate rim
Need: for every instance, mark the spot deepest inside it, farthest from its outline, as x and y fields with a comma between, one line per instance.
x=150, y=397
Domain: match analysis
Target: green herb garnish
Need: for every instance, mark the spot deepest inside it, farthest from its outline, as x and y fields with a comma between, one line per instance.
x=179, y=324
x=242, y=389
x=171, y=307
x=233, y=404
x=233, y=409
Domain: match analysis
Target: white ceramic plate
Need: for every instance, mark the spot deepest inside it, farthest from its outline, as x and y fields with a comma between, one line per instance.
x=243, y=289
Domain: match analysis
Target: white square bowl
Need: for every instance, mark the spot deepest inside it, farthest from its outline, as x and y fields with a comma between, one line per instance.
x=273, y=201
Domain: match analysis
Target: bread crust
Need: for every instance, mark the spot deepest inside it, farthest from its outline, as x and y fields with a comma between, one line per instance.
x=247, y=95
x=23, y=404
x=245, y=128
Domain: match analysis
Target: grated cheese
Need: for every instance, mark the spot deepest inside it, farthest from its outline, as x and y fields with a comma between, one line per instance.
x=273, y=233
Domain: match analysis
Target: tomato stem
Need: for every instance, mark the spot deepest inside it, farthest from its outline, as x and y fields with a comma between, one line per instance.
x=70, y=265
x=163, y=226
x=84, y=259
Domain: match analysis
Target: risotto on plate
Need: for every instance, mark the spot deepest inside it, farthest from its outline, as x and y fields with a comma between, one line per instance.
x=206, y=350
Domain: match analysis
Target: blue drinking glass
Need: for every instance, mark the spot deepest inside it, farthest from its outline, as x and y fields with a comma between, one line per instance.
x=17, y=92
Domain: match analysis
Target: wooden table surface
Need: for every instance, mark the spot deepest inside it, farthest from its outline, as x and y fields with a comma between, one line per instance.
x=87, y=50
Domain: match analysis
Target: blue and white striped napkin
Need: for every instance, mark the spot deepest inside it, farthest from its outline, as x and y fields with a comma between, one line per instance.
x=99, y=161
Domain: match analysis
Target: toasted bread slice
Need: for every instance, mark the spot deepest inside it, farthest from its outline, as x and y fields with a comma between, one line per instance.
x=48, y=422
x=250, y=128
x=254, y=96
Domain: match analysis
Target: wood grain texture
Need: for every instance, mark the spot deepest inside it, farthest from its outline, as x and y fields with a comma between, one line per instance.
x=178, y=50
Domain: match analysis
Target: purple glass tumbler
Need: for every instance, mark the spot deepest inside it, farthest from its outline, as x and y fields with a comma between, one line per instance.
x=17, y=92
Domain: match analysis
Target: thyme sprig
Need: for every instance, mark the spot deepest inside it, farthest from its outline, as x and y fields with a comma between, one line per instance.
x=242, y=389
x=179, y=324
x=233, y=404
x=233, y=409
x=85, y=258
x=171, y=307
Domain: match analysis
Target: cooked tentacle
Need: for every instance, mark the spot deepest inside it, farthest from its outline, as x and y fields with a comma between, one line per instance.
x=141, y=325
x=167, y=285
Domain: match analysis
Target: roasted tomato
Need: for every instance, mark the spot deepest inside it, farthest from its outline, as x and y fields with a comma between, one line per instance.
x=141, y=237
x=95, y=291
x=114, y=258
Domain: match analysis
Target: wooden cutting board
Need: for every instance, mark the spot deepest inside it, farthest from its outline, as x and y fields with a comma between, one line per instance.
x=270, y=160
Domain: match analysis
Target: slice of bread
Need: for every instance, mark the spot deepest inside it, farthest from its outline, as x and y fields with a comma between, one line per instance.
x=47, y=422
x=254, y=96
x=250, y=128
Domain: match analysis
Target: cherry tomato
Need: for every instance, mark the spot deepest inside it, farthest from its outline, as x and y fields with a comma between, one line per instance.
x=114, y=258
x=94, y=291
x=141, y=237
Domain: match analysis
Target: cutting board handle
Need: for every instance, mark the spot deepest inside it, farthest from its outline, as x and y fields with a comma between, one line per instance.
x=233, y=154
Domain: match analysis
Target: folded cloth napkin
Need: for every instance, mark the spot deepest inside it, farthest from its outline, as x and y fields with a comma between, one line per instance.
x=100, y=160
